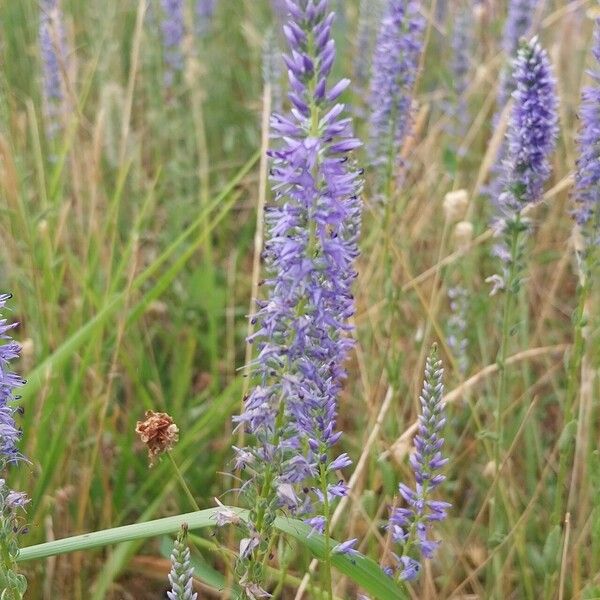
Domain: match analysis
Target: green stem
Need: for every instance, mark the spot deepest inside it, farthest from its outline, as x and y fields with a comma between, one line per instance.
x=327, y=516
x=182, y=482
x=507, y=323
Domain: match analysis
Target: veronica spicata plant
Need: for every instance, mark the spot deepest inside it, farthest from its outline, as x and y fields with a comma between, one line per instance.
x=173, y=31
x=303, y=334
x=12, y=584
x=410, y=524
x=205, y=10
x=53, y=53
x=587, y=174
x=394, y=72
x=530, y=140
x=462, y=49
x=519, y=22
x=181, y=576
x=587, y=217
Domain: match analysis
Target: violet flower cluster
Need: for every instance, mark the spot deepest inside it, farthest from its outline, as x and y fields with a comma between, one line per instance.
x=173, y=31
x=13, y=584
x=303, y=333
x=530, y=140
x=395, y=65
x=369, y=17
x=518, y=24
x=410, y=525
x=205, y=10
x=531, y=135
x=53, y=53
x=587, y=175
x=181, y=575
x=460, y=66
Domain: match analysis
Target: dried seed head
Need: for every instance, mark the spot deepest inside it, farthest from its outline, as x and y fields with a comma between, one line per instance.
x=455, y=205
x=463, y=234
x=158, y=432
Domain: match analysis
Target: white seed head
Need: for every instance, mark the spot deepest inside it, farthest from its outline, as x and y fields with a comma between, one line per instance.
x=455, y=205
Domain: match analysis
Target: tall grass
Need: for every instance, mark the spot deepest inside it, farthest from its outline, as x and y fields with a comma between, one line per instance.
x=128, y=241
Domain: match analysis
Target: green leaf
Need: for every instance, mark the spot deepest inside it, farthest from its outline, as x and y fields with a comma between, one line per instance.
x=362, y=570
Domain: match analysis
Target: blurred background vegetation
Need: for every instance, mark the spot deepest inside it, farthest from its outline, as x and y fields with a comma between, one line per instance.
x=127, y=241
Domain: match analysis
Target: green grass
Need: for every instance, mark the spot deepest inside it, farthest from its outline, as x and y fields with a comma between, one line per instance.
x=127, y=241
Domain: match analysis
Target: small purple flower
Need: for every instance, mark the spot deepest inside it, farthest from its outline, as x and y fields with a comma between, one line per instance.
x=347, y=548
x=409, y=525
x=181, y=576
x=531, y=135
x=587, y=175
x=395, y=64
x=409, y=568
x=173, y=31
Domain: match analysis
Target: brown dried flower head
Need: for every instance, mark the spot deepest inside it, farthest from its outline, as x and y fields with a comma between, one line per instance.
x=158, y=432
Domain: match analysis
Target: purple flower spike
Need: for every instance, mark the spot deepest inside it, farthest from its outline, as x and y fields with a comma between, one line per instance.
x=9, y=382
x=409, y=525
x=531, y=135
x=53, y=52
x=519, y=22
x=347, y=548
x=587, y=175
x=10, y=435
x=173, y=31
x=181, y=576
x=302, y=335
x=462, y=49
x=369, y=16
x=205, y=10
x=395, y=65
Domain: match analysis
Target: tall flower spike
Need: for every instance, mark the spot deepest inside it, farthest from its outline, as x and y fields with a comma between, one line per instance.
x=462, y=49
x=369, y=16
x=587, y=175
x=531, y=135
x=395, y=64
x=9, y=382
x=53, y=55
x=303, y=334
x=181, y=576
x=518, y=24
x=272, y=69
x=173, y=30
x=410, y=526
x=13, y=584
x=205, y=10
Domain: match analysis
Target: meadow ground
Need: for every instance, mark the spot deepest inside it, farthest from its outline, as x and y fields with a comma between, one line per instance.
x=128, y=220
